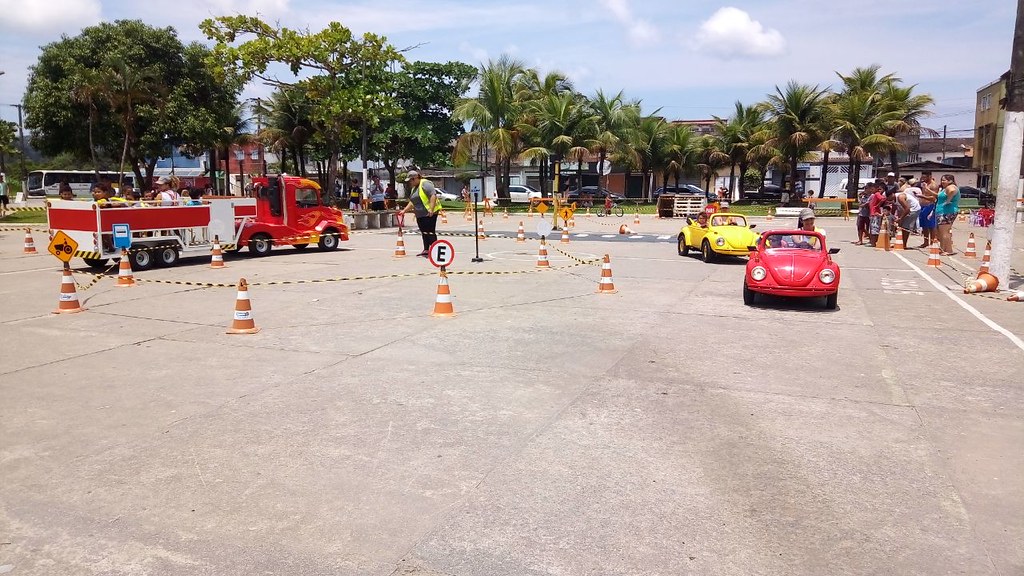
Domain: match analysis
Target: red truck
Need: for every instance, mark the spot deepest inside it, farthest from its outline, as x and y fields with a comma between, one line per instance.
x=284, y=211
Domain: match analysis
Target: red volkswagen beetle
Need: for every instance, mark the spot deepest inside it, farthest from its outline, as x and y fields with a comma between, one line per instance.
x=792, y=263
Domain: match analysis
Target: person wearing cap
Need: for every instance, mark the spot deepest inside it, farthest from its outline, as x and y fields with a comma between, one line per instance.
x=424, y=202
x=908, y=210
x=165, y=193
x=805, y=221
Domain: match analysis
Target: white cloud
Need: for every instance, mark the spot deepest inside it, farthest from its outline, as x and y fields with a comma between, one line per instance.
x=732, y=33
x=46, y=16
x=478, y=54
x=640, y=32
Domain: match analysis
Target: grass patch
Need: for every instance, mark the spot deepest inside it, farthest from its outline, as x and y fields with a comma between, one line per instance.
x=26, y=217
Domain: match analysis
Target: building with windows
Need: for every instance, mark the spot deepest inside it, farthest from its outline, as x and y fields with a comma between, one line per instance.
x=988, y=131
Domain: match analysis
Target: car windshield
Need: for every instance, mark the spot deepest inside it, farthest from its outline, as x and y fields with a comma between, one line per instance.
x=728, y=221
x=798, y=241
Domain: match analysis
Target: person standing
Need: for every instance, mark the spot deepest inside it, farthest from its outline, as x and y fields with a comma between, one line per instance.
x=863, y=215
x=355, y=195
x=927, y=220
x=424, y=202
x=947, y=208
x=875, y=203
x=376, y=192
x=4, y=198
x=908, y=209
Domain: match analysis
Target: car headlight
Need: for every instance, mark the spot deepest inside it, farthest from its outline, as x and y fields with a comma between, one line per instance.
x=720, y=241
x=758, y=273
x=827, y=276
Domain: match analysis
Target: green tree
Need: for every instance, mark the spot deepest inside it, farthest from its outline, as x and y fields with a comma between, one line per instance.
x=563, y=123
x=679, y=150
x=737, y=135
x=646, y=144
x=287, y=129
x=8, y=143
x=187, y=106
x=909, y=109
x=347, y=90
x=795, y=121
x=427, y=93
x=710, y=158
x=613, y=117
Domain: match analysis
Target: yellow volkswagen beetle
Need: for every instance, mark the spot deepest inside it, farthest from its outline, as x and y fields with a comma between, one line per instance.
x=721, y=233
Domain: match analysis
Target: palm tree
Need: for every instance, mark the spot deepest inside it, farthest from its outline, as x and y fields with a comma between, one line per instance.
x=679, y=150
x=865, y=79
x=530, y=89
x=495, y=118
x=288, y=128
x=710, y=158
x=561, y=122
x=796, y=116
x=646, y=143
x=612, y=118
x=862, y=126
x=910, y=108
x=126, y=89
x=737, y=137
x=234, y=133
x=90, y=89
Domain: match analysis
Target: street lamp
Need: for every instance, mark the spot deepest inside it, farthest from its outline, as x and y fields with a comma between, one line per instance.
x=21, y=136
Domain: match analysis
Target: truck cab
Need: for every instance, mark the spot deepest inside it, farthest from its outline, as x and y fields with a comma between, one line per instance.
x=291, y=211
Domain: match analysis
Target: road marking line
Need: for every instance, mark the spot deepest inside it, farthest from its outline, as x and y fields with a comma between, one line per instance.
x=582, y=235
x=663, y=237
x=974, y=312
x=608, y=236
x=637, y=236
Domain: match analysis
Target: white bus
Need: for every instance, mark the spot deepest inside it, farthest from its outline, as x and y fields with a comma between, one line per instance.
x=45, y=182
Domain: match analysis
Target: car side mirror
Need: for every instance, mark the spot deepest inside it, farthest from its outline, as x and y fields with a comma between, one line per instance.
x=752, y=226
x=833, y=250
x=752, y=248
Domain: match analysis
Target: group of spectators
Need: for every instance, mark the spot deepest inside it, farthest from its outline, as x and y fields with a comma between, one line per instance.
x=166, y=191
x=377, y=196
x=909, y=206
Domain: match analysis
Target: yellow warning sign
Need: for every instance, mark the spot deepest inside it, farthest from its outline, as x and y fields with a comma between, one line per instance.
x=565, y=213
x=62, y=246
x=542, y=207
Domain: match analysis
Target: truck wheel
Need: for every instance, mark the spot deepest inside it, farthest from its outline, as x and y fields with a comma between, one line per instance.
x=141, y=259
x=300, y=246
x=328, y=240
x=167, y=256
x=96, y=263
x=260, y=245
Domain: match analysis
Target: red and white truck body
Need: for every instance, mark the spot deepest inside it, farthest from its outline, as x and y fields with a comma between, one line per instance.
x=284, y=211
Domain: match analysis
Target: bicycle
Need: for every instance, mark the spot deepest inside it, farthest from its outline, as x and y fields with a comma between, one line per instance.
x=615, y=210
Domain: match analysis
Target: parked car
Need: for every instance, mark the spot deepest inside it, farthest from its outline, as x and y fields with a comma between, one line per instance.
x=792, y=263
x=447, y=196
x=522, y=194
x=684, y=189
x=595, y=192
x=726, y=234
x=766, y=192
x=984, y=197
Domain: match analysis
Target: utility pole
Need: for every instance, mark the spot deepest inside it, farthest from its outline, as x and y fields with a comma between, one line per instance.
x=1001, y=232
x=21, y=136
x=943, y=142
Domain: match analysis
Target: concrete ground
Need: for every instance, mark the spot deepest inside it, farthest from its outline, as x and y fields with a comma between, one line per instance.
x=544, y=430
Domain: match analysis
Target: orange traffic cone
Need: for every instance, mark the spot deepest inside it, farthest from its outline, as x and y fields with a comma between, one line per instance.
x=521, y=233
x=572, y=222
x=769, y=216
x=30, y=245
x=1017, y=297
x=636, y=219
x=243, y=322
x=623, y=229
x=505, y=217
x=985, y=259
x=984, y=283
x=124, y=272
x=606, y=286
x=883, y=238
x=972, y=249
x=480, y=231
x=400, y=245
x=565, y=235
x=542, y=255
x=444, y=217
x=443, y=302
x=67, y=303
x=933, y=256
x=217, y=256
x=897, y=241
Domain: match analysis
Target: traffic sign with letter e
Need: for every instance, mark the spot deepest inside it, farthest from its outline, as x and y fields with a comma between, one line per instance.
x=441, y=253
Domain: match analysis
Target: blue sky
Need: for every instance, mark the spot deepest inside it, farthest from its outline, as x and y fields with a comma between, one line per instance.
x=691, y=59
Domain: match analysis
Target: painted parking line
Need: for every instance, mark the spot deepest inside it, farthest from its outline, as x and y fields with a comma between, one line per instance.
x=664, y=237
x=974, y=311
x=582, y=235
x=608, y=236
x=901, y=286
x=635, y=237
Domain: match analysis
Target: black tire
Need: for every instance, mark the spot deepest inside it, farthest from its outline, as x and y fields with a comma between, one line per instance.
x=328, y=240
x=831, y=301
x=96, y=263
x=618, y=211
x=166, y=257
x=260, y=244
x=141, y=259
x=748, y=295
x=683, y=247
x=706, y=253
x=300, y=246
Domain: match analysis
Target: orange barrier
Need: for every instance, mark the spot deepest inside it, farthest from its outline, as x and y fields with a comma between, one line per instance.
x=843, y=202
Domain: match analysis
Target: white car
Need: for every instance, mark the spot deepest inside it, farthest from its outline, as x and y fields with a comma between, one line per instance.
x=447, y=196
x=522, y=194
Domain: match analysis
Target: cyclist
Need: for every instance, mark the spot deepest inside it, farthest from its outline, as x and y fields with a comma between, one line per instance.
x=608, y=205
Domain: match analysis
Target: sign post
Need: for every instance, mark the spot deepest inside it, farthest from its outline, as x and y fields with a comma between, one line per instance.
x=476, y=233
x=122, y=236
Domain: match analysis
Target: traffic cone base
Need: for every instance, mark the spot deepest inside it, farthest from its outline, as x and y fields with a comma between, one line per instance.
x=983, y=283
x=124, y=272
x=243, y=321
x=986, y=259
x=67, y=302
x=1018, y=297
x=521, y=233
x=400, y=245
x=444, y=218
x=606, y=285
x=480, y=231
x=217, y=255
x=883, y=240
x=636, y=219
x=565, y=235
x=443, y=303
x=542, y=256
x=897, y=241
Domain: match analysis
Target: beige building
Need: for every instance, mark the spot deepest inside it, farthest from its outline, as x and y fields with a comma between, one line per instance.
x=988, y=132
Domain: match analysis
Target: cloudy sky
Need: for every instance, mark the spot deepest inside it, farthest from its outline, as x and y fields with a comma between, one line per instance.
x=691, y=59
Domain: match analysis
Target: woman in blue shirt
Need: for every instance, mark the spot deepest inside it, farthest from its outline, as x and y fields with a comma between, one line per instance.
x=947, y=208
